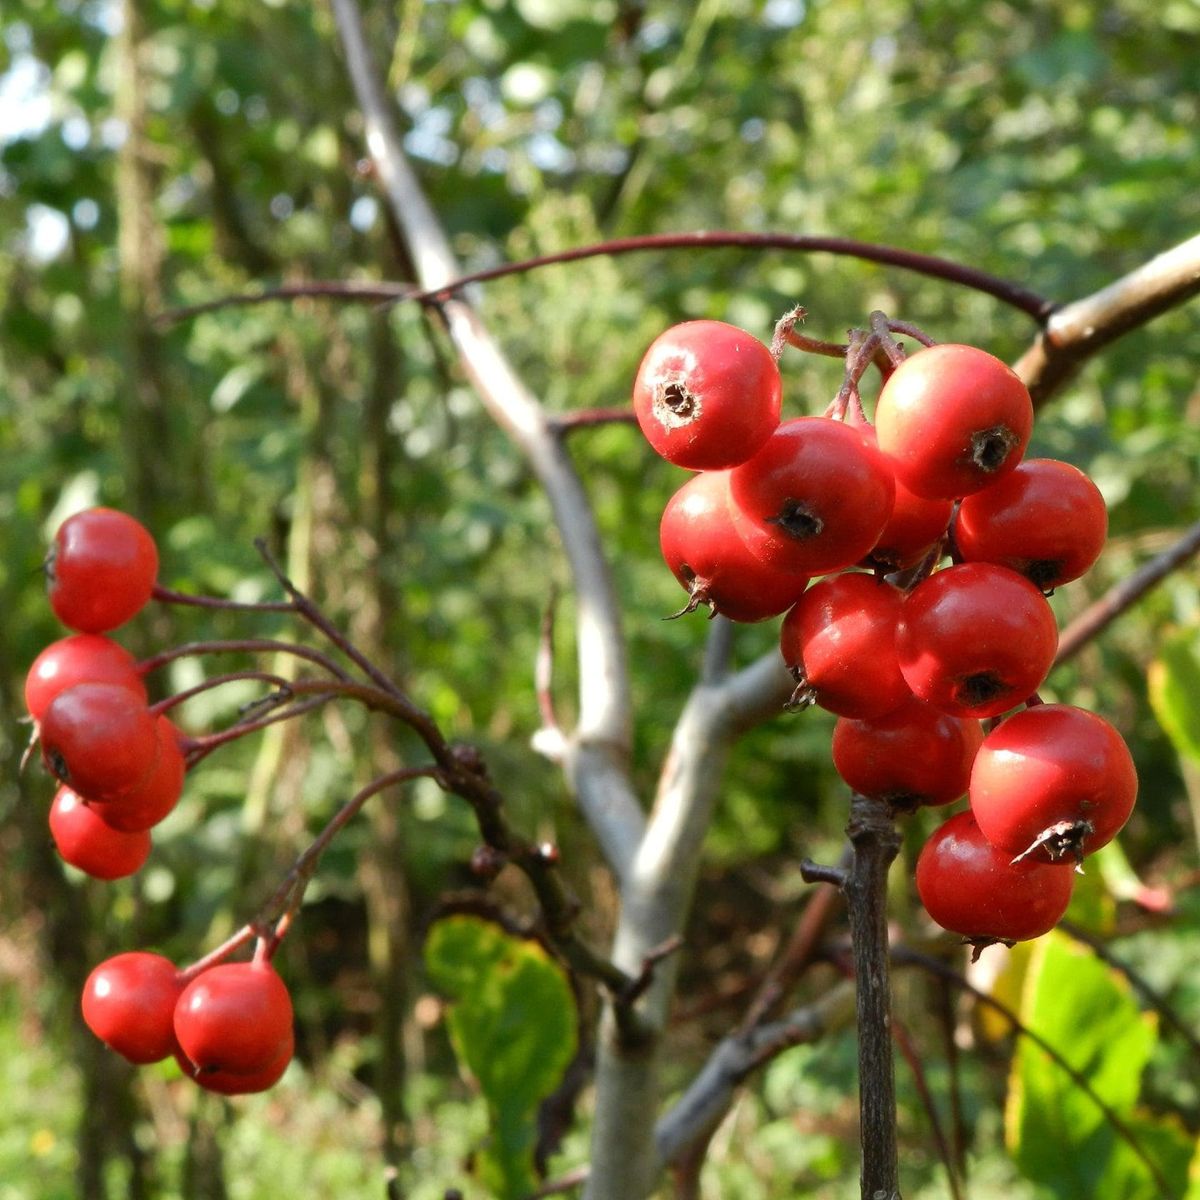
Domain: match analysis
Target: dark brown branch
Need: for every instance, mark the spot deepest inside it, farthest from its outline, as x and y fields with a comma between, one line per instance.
x=1077, y=331
x=1125, y=594
x=876, y=841
x=929, y=265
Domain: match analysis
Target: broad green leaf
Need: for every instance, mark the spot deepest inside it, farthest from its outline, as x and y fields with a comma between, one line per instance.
x=1058, y=1133
x=1174, y=679
x=512, y=1022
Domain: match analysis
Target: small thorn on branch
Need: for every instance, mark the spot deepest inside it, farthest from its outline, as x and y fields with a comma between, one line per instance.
x=815, y=872
x=638, y=985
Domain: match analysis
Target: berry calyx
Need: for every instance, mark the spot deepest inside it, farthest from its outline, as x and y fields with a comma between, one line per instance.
x=90, y=844
x=975, y=639
x=129, y=1002
x=708, y=557
x=1052, y=782
x=815, y=498
x=970, y=888
x=953, y=419
x=101, y=569
x=707, y=395
x=1046, y=520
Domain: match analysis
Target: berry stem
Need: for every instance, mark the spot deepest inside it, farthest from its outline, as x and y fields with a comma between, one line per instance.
x=166, y=595
x=242, y=645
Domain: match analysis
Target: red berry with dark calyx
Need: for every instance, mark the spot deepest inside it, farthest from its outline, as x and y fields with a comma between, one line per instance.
x=80, y=658
x=1052, y=782
x=154, y=798
x=712, y=563
x=1046, y=520
x=913, y=755
x=707, y=395
x=975, y=639
x=235, y=1018
x=90, y=844
x=129, y=1004
x=970, y=888
x=100, y=739
x=953, y=419
x=235, y=1083
x=838, y=641
x=815, y=498
x=101, y=569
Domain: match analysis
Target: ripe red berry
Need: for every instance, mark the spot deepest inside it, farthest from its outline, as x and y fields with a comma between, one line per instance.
x=80, y=658
x=100, y=570
x=815, y=498
x=975, y=639
x=100, y=739
x=85, y=841
x=234, y=1018
x=839, y=642
x=911, y=756
x=969, y=887
x=157, y=794
x=129, y=1004
x=707, y=395
x=953, y=419
x=234, y=1083
x=1046, y=520
x=1053, y=780
x=709, y=558
x=915, y=526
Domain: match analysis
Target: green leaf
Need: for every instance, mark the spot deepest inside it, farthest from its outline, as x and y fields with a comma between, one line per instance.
x=1058, y=1133
x=512, y=1023
x=1174, y=679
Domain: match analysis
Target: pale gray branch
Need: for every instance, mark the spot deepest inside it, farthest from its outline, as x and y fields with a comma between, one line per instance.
x=597, y=761
x=1080, y=329
x=709, y=1096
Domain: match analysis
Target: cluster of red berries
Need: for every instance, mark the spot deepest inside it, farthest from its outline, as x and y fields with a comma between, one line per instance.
x=229, y=1026
x=121, y=764
x=936, y=544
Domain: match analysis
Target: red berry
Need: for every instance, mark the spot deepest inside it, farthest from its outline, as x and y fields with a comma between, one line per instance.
x=969, y=887
x=1054, y=779
x=914, y=755
x=100, y=739
x=91, y=845
x=707, y=395
x=129, y=1004
x=233, y=1083
x=235, y=1018
x=157, y=794
x=80, y=658
x=1046, y=520
x=839, y=643
x=916, y=523
x=710, y=560
x=975, y=639
x=101, y=569
x=953, y=419
x=815, y=498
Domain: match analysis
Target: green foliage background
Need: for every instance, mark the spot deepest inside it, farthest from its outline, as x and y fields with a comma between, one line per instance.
x=1054, y=143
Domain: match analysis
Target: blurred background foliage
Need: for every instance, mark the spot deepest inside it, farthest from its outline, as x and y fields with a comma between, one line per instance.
x=159, y=153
